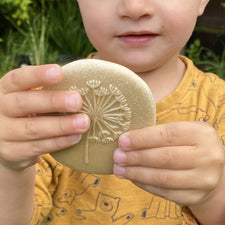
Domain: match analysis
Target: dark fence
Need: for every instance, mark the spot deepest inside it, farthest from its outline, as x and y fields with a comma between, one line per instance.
x=210, y=27
x=213, y=21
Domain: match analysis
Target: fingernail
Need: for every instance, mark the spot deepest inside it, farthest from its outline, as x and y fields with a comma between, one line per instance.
x=52, y=73
x=74, y=139
x=124, y=141
x=119, y=171
x=119, y=157
x=72, y=101
x=81, y=122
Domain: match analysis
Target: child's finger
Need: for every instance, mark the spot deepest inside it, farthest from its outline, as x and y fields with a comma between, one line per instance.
x=169, y=134
x=171, y=179
x=30, y=77
x=179, y=157
x=19, y=104
x=36, y=128
x=22, y=154
x=166, y=183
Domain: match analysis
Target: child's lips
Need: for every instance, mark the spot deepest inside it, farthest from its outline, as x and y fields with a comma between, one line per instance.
x=141, y=38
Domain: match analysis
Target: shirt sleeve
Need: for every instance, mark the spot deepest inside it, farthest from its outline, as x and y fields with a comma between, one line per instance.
x=47, y=175
x=218, y=122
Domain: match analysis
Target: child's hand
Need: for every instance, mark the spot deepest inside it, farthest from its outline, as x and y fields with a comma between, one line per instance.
x=24, y=135
x=180, y=161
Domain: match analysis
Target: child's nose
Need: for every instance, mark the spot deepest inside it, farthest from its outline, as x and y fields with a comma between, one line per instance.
x=135, y=9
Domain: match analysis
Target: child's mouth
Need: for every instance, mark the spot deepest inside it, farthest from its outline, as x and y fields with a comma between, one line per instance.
x=136, y=38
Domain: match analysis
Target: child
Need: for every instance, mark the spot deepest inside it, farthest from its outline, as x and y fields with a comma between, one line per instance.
x=173, y=171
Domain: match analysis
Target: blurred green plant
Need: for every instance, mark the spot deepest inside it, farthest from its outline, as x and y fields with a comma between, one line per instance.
x=8, y=56
x=206, y=58
x=17, y=10
x=12, y=10
x=47, y=29
x=66, y=29
x=215, y=63
x=35, y=41
x=194, y=51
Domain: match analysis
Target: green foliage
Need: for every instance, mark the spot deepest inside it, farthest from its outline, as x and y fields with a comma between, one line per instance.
x=15, y=9
x=51, y=27
x=35, y=37
x=215, y=63
x=66, y=29
x=223, y=4
x=206, y=59
x=8, y=56
x=194, y=51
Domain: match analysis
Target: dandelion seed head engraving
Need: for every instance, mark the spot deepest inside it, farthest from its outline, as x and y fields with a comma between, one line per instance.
x=108, y=110
x=116, y=99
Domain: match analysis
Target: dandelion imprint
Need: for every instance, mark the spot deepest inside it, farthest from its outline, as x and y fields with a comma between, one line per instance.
x=108, y=110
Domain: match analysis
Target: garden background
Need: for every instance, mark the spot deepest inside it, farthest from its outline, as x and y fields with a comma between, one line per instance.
x=50, y=31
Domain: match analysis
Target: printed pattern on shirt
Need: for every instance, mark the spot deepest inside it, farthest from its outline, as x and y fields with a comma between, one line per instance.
x=65, y=196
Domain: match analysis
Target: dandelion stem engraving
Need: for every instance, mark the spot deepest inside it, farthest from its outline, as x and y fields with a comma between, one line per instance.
x=108, y=110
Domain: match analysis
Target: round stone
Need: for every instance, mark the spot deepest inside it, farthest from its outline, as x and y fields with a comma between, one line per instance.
x=116, y=99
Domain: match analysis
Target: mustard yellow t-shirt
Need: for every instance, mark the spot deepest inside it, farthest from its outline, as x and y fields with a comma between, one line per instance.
x=67, y=197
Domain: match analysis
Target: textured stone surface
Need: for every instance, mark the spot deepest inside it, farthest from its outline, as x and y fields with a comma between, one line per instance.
x=116, y=99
